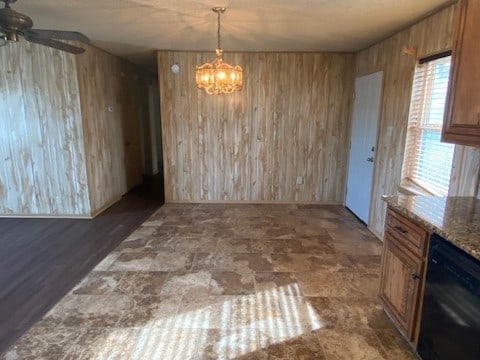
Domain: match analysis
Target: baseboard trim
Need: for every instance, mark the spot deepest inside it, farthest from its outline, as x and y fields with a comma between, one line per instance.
x=253, y=202
x=61, y=216
x=45, y=216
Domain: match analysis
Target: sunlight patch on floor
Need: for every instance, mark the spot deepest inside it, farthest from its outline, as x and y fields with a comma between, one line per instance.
x=237, y=326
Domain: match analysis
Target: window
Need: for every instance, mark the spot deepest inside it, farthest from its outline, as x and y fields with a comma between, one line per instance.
x=428, y=162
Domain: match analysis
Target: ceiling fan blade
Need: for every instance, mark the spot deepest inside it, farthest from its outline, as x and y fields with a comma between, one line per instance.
x=56, y=34
x=57, y=45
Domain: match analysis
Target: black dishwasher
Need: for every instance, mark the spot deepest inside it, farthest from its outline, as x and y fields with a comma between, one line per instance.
x=450, y=324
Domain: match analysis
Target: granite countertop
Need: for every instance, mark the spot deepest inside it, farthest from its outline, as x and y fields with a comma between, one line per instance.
x=457, y=219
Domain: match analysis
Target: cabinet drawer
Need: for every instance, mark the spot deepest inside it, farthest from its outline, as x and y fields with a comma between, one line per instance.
x=407, y=233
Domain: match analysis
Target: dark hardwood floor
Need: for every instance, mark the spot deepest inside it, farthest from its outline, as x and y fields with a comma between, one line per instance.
x=42, y=259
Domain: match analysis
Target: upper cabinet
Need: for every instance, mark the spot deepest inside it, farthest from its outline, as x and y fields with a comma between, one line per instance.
x=462, y=115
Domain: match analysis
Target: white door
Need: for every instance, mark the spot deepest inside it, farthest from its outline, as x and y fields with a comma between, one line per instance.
x=366, y=109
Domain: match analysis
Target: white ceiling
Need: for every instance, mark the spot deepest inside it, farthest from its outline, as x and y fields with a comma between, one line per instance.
x=134, y=28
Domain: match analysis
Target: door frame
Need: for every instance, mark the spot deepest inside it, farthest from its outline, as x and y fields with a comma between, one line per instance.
x=379, y=122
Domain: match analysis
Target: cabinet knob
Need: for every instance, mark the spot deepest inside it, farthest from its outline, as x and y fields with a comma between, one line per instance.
x=415, y=276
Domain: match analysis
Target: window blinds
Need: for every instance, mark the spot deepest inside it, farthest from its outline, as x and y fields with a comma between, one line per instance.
x=427, y=161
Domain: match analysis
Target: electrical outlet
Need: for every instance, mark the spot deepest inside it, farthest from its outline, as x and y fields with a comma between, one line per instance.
x=299, y=180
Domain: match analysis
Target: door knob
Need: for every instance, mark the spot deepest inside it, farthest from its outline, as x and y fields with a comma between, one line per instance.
x=370, y=159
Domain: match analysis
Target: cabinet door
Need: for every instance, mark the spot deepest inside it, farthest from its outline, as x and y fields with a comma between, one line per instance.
x=462, y=115
x=402, y=274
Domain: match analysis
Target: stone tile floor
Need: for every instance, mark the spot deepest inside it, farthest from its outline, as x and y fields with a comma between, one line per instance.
x=227, y=282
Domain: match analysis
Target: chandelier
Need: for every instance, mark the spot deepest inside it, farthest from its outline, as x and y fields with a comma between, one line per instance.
x=218, y=77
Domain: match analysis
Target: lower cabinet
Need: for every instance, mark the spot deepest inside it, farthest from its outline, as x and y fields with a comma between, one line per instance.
x=403, y=272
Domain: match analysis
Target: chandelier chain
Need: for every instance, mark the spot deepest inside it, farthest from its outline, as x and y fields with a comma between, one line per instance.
x=218, y=30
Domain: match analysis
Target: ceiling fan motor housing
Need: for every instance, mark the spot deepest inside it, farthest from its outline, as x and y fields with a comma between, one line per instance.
x=12, y=22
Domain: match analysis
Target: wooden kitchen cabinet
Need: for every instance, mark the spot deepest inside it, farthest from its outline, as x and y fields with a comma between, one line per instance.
x=462, y=113
x=403, y=272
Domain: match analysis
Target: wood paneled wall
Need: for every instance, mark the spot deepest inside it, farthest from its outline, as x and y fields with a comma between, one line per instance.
x=291, y=119
x=62, y=152
x=42, y=161
x=430, y=36
x=112, y=100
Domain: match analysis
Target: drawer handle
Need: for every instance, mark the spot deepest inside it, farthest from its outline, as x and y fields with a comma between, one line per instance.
x=401, y=229
x=415, y=276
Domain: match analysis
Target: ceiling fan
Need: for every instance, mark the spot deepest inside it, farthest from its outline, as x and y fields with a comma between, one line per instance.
x=13, y=25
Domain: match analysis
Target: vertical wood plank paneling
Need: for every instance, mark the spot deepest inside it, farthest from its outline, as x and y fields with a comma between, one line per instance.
x=62, y=151
x=241, y=154
x=98, y=75
x=42, y=169
x=429, y=36
x=168, y=127
x=111, y=93
x=337, y=133
x=262, y=120
x=182, y=132
x=252, y=145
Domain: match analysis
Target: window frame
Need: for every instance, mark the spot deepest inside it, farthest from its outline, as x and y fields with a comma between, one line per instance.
x=408, y=184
